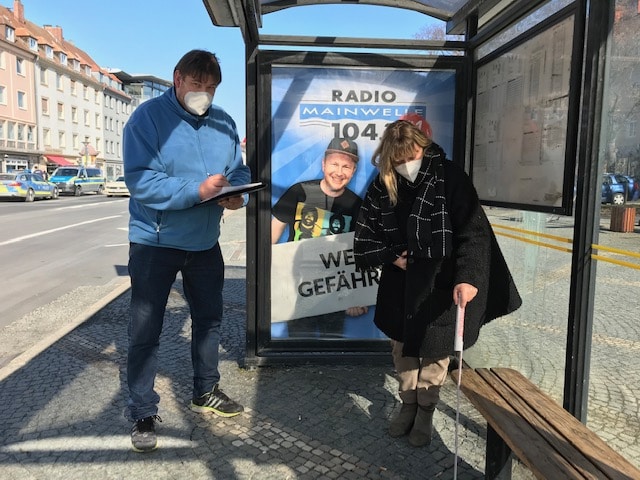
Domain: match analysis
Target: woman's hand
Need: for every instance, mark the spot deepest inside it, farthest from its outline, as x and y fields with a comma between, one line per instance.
x=401, y=261
x=463, y=293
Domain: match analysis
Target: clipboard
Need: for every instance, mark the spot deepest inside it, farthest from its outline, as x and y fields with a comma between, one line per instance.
x=234, y=190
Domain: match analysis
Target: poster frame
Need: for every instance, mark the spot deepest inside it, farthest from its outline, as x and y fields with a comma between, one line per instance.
x=288, y=349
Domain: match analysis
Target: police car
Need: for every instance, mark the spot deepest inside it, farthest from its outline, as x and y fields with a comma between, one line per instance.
x=78, y=180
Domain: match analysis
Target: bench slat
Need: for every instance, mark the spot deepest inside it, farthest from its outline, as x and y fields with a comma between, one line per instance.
x=537, y=418
x=614, y=465
x=521, y=437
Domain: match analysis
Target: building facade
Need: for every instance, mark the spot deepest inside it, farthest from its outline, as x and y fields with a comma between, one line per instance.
x=57, y=105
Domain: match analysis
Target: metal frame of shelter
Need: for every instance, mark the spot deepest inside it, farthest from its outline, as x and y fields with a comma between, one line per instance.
x=479, y=21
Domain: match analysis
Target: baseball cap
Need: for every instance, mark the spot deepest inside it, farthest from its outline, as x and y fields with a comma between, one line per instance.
x=343, y=145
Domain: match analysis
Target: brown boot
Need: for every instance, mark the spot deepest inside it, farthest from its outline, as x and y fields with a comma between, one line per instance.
x=401, y=425
x=420, y=434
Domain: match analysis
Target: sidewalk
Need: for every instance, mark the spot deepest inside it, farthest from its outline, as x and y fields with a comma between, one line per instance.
x=62, y=415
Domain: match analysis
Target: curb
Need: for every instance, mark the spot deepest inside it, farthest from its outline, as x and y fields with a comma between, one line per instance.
x=25, y=357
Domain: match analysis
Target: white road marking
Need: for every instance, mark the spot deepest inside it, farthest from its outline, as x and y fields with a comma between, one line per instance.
x=53, y=230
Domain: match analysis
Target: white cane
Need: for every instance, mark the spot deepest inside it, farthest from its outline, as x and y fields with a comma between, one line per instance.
x=458, y=344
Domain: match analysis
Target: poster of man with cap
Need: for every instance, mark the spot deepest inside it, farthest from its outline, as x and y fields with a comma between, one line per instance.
x=326, y=123
x=318, y=208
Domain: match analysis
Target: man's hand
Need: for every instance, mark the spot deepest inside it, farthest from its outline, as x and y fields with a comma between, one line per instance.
x=356, y=311
x=232, y=203
x=212, y=185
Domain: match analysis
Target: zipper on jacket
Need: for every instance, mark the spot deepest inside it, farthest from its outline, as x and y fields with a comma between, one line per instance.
x=158, y=223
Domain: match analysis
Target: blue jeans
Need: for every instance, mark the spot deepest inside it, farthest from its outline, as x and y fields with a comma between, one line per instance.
x=153, y=271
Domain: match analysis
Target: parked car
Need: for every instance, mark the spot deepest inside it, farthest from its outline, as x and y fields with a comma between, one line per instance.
x=116, y=187
x=78, y=179
x=28, y=186
x=634, y=188
x=616, y=189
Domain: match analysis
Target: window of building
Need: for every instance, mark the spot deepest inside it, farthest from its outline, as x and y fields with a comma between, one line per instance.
x=85, y=92
x=46, y=137
x=75, y=142
x=3, y=95
x=48, y=51
x=20, y=66
x=62, y=140
x=9, y=33
x=3, y=64
x=59, y=83
x=97, y=120
x=44, y=76
x=20, y=132
x=87, y=118
x=72, y=87
x=33, y=44
x=45, y=106
x=74, y=114
x=632, y=129
x=60, y=111
x=30, y=135
x=22, y=100
x=63, y=58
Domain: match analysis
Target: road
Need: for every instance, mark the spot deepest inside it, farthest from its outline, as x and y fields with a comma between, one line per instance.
x=58, y=257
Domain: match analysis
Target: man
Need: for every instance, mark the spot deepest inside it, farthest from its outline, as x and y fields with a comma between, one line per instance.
x=317, y=208
x=179, y=149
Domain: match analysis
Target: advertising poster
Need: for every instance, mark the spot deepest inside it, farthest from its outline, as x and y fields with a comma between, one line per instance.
x=326, y=124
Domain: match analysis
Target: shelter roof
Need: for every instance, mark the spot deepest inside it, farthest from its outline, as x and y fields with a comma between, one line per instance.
x=247, y=14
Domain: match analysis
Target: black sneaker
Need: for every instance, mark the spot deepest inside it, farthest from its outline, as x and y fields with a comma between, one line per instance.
x=217, y=402
x=143, y=434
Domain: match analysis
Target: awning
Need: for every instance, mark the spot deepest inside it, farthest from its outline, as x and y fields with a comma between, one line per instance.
x=58, y=160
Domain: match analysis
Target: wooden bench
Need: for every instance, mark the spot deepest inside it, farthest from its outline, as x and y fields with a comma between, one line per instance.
x=523, y=420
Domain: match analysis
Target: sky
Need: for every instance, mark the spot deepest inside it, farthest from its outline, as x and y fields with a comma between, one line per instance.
x=150, y=36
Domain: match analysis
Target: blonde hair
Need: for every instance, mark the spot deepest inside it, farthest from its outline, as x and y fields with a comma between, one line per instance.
x=398, y=143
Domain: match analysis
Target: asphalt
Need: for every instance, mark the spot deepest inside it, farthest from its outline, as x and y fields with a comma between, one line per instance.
x=63, y=402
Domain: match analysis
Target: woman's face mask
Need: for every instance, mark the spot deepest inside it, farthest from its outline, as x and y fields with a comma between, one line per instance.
x=410, y=169
x=198, y=102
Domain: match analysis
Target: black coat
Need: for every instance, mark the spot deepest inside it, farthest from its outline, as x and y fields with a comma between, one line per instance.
x=416, y=306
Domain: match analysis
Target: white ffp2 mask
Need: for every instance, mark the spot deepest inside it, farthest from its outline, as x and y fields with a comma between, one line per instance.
x=409, y=170
x=197, y=102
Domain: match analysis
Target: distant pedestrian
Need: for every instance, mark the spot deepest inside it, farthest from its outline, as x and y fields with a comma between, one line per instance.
x=179, y=149
x=421, y=220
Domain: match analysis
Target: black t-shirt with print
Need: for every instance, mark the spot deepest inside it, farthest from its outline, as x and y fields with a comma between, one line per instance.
x=309, y=212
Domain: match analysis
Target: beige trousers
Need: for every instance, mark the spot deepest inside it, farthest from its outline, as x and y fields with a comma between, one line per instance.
x=419, y=379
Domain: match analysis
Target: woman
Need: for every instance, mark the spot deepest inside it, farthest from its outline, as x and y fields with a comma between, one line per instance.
x=422, y=221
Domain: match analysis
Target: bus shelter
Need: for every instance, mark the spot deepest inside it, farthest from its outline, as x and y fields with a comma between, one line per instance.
x=535, y=99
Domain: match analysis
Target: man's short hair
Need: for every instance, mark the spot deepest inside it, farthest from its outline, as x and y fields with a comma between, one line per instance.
x=200, y=64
